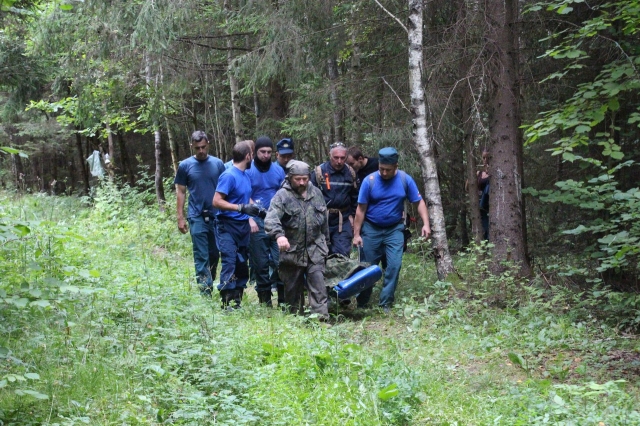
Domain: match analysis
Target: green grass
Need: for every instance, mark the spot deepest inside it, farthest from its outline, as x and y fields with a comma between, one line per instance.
x=102, y=324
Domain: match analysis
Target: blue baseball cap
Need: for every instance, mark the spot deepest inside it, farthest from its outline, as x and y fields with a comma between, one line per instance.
x=285, y=146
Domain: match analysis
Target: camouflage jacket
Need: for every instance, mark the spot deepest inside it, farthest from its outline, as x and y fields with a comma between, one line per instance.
x=303, y=221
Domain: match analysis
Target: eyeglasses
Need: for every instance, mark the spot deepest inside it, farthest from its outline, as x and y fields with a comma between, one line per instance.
x=337, y=145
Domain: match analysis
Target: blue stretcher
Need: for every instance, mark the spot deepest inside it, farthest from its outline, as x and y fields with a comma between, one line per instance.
x=358, y=282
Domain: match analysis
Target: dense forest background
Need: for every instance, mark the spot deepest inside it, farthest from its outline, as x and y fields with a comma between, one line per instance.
x=550, y=89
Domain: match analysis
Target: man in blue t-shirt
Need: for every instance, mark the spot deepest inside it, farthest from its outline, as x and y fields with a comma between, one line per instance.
x=199, y=174
x=231, y=198
x=266, y=178
x=379, y=221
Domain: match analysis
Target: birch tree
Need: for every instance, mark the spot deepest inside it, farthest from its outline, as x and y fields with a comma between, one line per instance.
x=423, y=141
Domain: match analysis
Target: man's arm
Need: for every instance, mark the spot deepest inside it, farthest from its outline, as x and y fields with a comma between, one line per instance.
x=424, y=215
x=181, y=195
x=273, y=224
x=357, y=224
x=220, y=202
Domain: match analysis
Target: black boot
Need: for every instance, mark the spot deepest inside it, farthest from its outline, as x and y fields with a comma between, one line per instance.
x=226, y=296
x=237, y=297
x=264, y=297
x=281, y=301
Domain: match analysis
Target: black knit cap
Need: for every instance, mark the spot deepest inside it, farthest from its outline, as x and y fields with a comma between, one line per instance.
x=264, y=142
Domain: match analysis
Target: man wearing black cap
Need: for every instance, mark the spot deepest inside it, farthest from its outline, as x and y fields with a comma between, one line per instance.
x=266, y=179
x=297, y=220
x=379, y=223
x=284, y=152
x=199, y=173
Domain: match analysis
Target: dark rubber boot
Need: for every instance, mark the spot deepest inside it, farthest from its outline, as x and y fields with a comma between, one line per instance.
x=264, y=297
x=226, y=296
x=281, y=301
x=237, y=297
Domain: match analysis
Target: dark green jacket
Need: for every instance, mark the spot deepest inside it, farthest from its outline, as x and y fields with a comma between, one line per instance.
x=303, y=221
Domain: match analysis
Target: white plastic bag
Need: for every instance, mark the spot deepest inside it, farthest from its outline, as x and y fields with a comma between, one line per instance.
x=95, y=167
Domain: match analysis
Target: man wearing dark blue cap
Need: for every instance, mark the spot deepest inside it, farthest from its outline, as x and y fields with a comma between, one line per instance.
x=266, y=178
x=284, y=152
x=379, y=221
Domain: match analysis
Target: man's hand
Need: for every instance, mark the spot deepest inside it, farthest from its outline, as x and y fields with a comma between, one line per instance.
x=253, y=225
x=357, y=241
x=182, y=225
x=426, y=231
x=250, y=209
x=283, y=243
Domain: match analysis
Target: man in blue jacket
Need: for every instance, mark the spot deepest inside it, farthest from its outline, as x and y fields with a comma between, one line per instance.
x=338, y=183
x=379, y=221
x=199, y=174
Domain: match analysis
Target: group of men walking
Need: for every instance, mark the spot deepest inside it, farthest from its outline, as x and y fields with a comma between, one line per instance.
x=284, y=219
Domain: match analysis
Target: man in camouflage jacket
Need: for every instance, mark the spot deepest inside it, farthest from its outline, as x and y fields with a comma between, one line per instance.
x=297, y=220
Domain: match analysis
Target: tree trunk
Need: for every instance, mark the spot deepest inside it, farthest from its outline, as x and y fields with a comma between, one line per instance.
x=471, y=172
x=424, y=143
x=157, y=144
x=233, y=85
x=126, y=161
x=83, y=164
x=338, y=114
x=506, y=226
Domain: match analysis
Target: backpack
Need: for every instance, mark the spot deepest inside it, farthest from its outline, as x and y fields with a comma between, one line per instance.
x=320, y=179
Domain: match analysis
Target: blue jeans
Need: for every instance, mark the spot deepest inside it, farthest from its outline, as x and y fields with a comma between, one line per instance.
x=264, y=254
x=205, y=251
x=376, y=241
x=232, y=237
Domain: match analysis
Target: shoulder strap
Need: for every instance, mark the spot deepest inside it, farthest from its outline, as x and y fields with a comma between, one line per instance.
x=319, y=176
x=403, y=177
x=372, y=179
x=353, y=176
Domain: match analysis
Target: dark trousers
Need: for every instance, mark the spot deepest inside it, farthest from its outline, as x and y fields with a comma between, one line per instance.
x=293, y=278
x=205, y=251
x=340, y=241
x=264, y=256
x=232, y=237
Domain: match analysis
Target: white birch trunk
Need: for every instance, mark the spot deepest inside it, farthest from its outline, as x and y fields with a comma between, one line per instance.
x=424, y=143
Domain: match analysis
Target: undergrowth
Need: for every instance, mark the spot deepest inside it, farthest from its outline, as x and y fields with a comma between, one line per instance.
x=102, y=323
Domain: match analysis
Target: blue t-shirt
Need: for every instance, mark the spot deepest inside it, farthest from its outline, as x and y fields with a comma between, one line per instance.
x=201, y=179
x=235, y=184
x=385, y=200
x=264, y=185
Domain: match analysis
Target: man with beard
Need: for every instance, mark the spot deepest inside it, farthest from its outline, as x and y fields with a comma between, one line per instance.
x=232, y=228
x=338, y=183
x=297, y=220
x=266, y=178
x=200, y=174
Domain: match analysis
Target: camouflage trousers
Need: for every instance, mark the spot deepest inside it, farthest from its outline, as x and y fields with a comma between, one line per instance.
x=293, y=278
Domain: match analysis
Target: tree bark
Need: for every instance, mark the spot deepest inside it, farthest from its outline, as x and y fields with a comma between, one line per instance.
x=338, y=112
x=157, y=145
x=506, y=225
x=471, y=171
x=424, y=142
x=83, y=164
x=233, y=86
x=126, y=161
